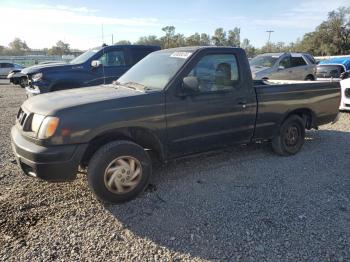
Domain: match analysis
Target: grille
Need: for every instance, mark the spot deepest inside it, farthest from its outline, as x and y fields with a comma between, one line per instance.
x=22, y=117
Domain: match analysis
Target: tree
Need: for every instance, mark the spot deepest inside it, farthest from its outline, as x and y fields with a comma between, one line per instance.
x=60, y=48
x=123, y=42
x=205, y=40
x=331, y=37
x=168, y=39
x=219, y=37
x=193, y=40
x=249, y=49
x=234, y=37
x=18, y=47
x=149, y=40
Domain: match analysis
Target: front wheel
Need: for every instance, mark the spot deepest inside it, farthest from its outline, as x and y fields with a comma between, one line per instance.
x=23, y=82
x=291, y=136
x=119, y=171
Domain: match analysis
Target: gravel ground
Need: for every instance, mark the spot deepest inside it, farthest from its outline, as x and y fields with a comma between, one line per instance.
x=239, y=204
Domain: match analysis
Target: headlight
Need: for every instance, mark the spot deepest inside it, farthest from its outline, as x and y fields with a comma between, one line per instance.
x=37, y=77
x=347, y=92
x=36, y=122
x=48, y=127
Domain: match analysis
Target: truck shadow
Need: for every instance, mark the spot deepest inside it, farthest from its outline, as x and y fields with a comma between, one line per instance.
x=243, y=201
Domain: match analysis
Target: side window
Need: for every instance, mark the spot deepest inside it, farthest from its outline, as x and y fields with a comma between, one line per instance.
x=216, y=72
x=113, y=58
x=6, y=65
x=297, y=61
x=285, y=62
x=310, y=58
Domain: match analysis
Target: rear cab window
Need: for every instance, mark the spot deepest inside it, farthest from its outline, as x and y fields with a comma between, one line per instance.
x=113, y=58
x=138, y=53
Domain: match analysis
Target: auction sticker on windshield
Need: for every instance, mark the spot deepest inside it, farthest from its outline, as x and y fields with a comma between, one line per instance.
x=183, y=55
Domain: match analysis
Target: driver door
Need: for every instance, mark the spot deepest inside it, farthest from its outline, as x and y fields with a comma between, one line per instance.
x=284, y=71
x=221, y=113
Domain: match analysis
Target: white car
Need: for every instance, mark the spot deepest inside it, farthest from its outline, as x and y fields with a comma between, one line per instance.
x=345, y=95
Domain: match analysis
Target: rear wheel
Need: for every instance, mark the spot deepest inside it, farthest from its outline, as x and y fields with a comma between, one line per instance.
x=291, y=136
x=119, y=171
x=310, y=78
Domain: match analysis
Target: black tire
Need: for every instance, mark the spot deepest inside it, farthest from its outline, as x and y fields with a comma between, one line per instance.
x=290, y=137
x=23, y=82
x=102, y=159
x=310, y=78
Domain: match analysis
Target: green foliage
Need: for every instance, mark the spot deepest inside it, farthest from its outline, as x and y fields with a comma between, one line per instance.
x=331, y=37
x=60, y=48
x=16, y=47
x=123, y=42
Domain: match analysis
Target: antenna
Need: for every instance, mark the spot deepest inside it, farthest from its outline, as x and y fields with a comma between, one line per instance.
x=102, y=35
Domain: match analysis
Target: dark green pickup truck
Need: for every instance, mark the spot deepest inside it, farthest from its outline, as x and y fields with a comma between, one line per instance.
x=173, y=103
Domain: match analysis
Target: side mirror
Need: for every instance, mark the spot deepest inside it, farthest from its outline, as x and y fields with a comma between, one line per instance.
x=281, y=67
x=191, y=83
x=95, y=63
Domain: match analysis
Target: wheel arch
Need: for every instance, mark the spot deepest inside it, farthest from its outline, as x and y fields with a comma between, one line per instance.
x=306, y=114
x=310, y=76
x=139, y=135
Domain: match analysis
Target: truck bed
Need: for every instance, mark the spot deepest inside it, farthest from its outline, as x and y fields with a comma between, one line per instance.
x=320, y=99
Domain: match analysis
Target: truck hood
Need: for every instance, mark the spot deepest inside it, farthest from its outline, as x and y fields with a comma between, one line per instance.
x=51, y=103
x=45, y=67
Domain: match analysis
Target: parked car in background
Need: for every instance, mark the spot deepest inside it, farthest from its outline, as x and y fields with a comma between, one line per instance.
x=337, y=68
x=173, y=103
x=7, y=67
x=284, y=66
x=100, y=65
x=16, y=77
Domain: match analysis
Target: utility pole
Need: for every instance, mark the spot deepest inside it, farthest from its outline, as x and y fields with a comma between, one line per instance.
x=268, y=39
x=112, y=39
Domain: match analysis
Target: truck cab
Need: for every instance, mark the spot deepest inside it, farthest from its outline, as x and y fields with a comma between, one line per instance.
x=100, y=65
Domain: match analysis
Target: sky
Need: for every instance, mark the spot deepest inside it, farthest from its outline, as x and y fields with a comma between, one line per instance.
x=42, y=23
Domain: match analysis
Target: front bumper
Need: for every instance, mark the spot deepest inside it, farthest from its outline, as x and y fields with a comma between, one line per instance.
x=53, y=163
x=31, y=91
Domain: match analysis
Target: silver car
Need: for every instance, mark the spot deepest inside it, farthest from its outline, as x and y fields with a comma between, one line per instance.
x=7, y=67
x=284, y=66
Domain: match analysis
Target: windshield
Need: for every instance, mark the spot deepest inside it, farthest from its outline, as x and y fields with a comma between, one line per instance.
x=263, y=61
x=85, y=56
x=155, y=70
